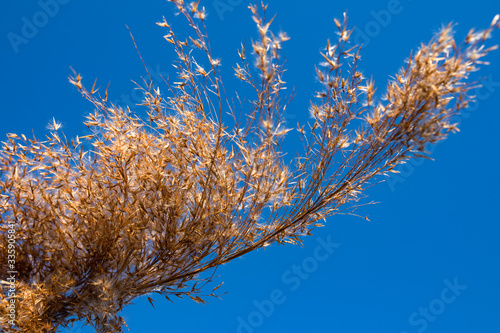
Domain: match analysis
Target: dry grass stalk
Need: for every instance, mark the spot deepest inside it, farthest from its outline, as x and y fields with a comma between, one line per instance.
x=145, y=206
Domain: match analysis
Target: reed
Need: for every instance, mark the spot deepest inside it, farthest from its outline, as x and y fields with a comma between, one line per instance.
x=145, y=206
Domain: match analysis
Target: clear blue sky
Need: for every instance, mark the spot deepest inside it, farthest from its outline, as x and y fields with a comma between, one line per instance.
x=429, y=259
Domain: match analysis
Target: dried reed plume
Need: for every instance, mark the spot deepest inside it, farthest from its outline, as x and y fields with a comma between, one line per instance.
x=145, y=206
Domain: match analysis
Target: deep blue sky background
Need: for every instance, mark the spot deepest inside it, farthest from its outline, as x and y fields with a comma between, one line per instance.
x=438, y=222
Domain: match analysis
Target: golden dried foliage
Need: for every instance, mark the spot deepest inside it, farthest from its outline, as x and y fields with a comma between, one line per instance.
x=145, y=206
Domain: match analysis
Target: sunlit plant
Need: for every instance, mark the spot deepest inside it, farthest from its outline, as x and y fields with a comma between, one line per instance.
x=145, y=206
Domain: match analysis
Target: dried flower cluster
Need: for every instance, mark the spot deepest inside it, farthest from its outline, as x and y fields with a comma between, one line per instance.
x=145, y=206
